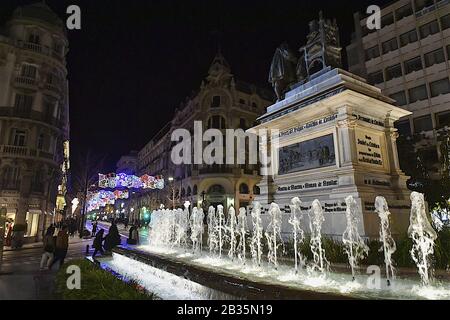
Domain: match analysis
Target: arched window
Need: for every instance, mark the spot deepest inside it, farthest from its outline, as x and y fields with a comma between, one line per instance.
x=216, y=122
x=256, y=190
x=215, y=102
x=183, y=192
x=243, y=189
x=217, y=188
x=189, y=191
x=11, y=178
x=194, y=191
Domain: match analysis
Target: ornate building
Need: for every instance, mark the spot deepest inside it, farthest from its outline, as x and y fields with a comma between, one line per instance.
x=34, y=118
x=221, y=103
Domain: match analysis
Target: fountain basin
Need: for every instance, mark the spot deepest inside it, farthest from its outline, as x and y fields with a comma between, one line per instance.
x=234, y=280
x=231, y=285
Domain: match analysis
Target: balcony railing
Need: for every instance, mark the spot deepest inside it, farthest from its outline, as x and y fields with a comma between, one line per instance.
x=214, y=170
x=18, y=151
x=29, y=114
x=41, y=49
x=27, y=81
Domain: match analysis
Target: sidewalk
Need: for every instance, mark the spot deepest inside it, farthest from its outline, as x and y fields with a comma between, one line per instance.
x=21, y=279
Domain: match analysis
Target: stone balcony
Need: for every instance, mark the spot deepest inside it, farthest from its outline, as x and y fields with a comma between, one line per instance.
x=34, y=115
x=26, y=153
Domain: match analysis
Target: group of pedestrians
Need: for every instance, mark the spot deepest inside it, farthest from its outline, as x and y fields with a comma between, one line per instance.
x=106, y=243
x=55, y=247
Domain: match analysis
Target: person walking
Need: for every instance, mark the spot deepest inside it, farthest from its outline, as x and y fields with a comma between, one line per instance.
x=49, y=248
x=94, y=228
x=98, y=243
x=62, y=245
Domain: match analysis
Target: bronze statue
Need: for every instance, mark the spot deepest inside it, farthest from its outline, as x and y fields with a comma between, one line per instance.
x=322, y=50
x=283, y=70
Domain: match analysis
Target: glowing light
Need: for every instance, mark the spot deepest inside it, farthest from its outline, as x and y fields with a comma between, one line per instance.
x=123, y=180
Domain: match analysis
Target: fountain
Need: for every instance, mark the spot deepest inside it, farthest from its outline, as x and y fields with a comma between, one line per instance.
x=220, y=228
x=231, y=230
x=242, y=231
x=316, y=219
x=256, y=245
x=196, y=221
x=423, y=236
x=297, y=232
x=354, y=244
x=389, y=247
x=273, y=234
x=212, y=230
x=274, y=278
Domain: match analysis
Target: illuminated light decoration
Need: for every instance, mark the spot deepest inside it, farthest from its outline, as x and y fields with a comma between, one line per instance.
x=122, y=180
x=102, y=198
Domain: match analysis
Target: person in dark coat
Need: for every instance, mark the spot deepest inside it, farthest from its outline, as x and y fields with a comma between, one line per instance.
x=98, y=243
x=113, y=238
x=62, y=245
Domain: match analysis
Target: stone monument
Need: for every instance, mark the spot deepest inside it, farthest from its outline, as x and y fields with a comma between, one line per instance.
x=335, y=138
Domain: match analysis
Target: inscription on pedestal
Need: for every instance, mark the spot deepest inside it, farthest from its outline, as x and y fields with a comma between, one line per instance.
x=368, y=147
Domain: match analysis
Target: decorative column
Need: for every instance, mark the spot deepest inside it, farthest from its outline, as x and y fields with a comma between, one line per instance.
x=391, y=142
x=346, y=124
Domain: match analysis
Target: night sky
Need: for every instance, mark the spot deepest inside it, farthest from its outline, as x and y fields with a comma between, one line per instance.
x=134, y=61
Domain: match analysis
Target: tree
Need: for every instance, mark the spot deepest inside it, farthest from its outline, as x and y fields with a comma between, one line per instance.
x=87, y=167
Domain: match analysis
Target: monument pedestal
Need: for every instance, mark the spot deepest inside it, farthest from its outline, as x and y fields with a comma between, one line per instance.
x=332, y=137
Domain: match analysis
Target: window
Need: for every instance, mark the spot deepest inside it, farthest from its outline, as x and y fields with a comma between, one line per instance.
x=376, y=77
x=443, y=119
x=429, y=29
x=241, y=101
x=421, y=4
x=243, y=189
x=216, y=122
x=393, y=72
x=408, y=37
x=400, y=98
x=40, y=142
x=18, y=138
x=439, y=87
x=403, y=12
x=372, y=53
x=434, y=57
x=445, y=22
x=403, y=127
x=418, y=93
x=23, y=103
x=256, y=190
x=189, y=191
x=254, y=106
x=242, y=123
x=34, y=38
x=11, y=178
x=28, y=71
x=387, y=20
x=413, y=64
x=422, y=124
x=194, y=190
x=390, y=45
x=215, y=103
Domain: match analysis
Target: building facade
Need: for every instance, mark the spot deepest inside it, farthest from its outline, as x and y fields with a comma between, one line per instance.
x=409, y=59
x=34, y=118
x=221, y=103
